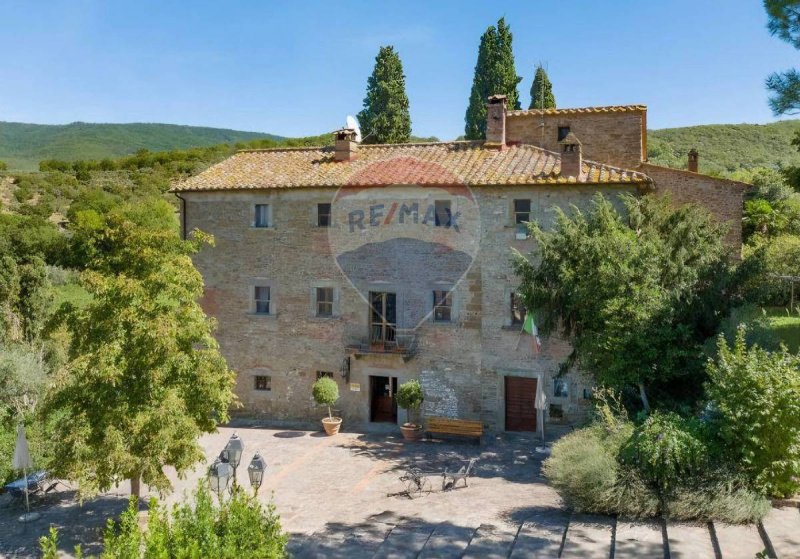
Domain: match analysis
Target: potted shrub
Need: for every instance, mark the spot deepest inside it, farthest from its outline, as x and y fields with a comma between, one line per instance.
x=326, y=392
x=409, y=397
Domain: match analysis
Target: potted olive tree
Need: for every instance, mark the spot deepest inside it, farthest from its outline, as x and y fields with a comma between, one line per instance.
x=326, y=392
x=409, y=397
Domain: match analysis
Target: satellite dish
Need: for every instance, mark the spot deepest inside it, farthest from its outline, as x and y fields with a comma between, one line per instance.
x=352, y=123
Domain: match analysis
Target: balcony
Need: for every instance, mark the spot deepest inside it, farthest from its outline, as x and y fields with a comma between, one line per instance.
x=385, y=339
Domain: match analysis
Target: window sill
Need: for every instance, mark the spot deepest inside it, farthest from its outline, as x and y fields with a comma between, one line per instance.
x=267, y=228
x=512, y=327
x=443, y=324
x=334, y=318
x=261, y=315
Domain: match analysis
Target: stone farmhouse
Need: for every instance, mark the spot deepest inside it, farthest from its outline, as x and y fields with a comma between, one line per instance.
x=376, y=264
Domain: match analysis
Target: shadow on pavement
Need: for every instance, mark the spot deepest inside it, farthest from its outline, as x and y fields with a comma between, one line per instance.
x=76, y=523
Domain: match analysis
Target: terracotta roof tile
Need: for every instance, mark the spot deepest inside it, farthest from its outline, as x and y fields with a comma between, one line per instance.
x=583, y=110
x=468, y=163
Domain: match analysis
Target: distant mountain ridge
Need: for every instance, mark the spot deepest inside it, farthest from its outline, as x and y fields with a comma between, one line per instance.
x=23, y=145
x=725, y=148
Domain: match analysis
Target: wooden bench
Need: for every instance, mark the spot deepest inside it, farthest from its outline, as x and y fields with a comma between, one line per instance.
x=460, y=427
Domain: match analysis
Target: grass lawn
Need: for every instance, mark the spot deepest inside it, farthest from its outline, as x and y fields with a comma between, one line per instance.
x=767, y=327
x=784, y=328
x=70, y=293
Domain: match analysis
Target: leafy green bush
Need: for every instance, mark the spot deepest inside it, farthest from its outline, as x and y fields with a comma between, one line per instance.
x=326, y=392
x=755, y=398
x=240, y=527
x=665, y=450
x=720, y=495
x=409, y=396
x=583, y=467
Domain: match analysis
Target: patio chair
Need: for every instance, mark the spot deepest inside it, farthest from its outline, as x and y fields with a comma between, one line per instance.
x=461, y=474
x=39, y=483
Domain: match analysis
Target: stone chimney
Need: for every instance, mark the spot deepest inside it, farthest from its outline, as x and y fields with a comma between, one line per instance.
x=496, y=122
x=346, y=147
x=571, y=158
x=693, y=160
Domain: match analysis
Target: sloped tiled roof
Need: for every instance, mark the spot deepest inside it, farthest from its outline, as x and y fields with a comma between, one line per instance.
x=446, y=163
x=583, y=110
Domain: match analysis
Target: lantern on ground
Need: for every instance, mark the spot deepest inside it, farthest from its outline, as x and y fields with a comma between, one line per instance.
x=256, y=471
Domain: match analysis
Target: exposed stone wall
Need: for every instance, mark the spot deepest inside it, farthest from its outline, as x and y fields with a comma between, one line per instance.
x=723, y=198
x=461, y=365
x=612, y=138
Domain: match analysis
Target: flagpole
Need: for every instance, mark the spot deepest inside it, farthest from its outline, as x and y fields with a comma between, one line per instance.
x=27, y=503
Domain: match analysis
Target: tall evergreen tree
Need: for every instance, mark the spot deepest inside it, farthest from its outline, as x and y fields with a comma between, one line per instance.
x=385, y=118
x=494, y=74
x=542, y=91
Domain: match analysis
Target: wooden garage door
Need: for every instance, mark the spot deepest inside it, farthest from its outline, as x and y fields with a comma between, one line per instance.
x=520, y=404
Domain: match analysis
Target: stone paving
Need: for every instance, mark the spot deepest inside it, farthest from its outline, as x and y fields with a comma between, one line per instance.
x=340, y=497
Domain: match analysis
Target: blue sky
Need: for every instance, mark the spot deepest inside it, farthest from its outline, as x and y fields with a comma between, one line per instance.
x=298, y=68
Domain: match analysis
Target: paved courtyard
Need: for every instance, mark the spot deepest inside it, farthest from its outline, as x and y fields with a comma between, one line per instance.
x=340, y=497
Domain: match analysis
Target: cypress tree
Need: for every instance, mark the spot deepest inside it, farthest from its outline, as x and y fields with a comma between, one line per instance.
x=385, y=118
x=542, y=91
x=494, y=73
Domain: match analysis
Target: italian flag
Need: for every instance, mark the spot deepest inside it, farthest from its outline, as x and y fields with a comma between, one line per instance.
x=529, y=326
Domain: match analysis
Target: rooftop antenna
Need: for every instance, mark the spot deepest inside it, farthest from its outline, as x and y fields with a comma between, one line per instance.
x=353, y=125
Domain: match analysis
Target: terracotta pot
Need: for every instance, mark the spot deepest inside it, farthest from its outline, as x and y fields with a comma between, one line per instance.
x=411, y=432
x=332, y=425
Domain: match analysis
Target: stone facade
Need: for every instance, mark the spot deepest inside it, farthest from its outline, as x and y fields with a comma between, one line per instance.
x=617, y=137
x=263, y=280
x=460, y=364
x=723, y=198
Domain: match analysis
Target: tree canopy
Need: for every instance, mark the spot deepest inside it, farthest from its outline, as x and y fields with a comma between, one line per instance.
x=145, y=377
x=542, y=91
x=637, y=293
x=494, y=74
x=385, y=118
x=784, y=23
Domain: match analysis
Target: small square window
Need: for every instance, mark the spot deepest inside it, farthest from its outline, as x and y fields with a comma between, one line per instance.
x=325, y=301
x=261, y=215
x=323, y=215
x=563, y=132
x=556, y=411
x=321, y=374
x=443, y=215
x=263, y=382
x=442, y=306
x=560, y=388
x=522, y=215
x=262, y=298
x=587, y=393
x=517, y=309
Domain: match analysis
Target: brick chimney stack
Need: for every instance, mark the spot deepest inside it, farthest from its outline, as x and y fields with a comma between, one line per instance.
x=345, y=147
x=693, y=160
x=571, y=157
x=496, y=122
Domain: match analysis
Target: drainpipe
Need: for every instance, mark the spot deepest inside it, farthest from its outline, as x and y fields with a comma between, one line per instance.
x=183, y=215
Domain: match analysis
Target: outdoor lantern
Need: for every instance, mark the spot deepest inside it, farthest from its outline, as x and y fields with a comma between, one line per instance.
x=219, y=476
x=233, y=451
x=256, y=471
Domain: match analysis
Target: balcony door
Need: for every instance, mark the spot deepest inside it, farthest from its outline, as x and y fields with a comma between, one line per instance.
x=383, y=317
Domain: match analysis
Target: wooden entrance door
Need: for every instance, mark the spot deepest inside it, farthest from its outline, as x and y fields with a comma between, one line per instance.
x=520, y=404
x=383, y=407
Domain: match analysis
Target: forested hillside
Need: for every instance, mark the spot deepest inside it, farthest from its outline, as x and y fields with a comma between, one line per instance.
x=726, y=148
x=22, y=145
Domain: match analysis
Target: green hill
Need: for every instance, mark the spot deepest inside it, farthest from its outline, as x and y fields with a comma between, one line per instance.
x=22, y=146
x=725, y=148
